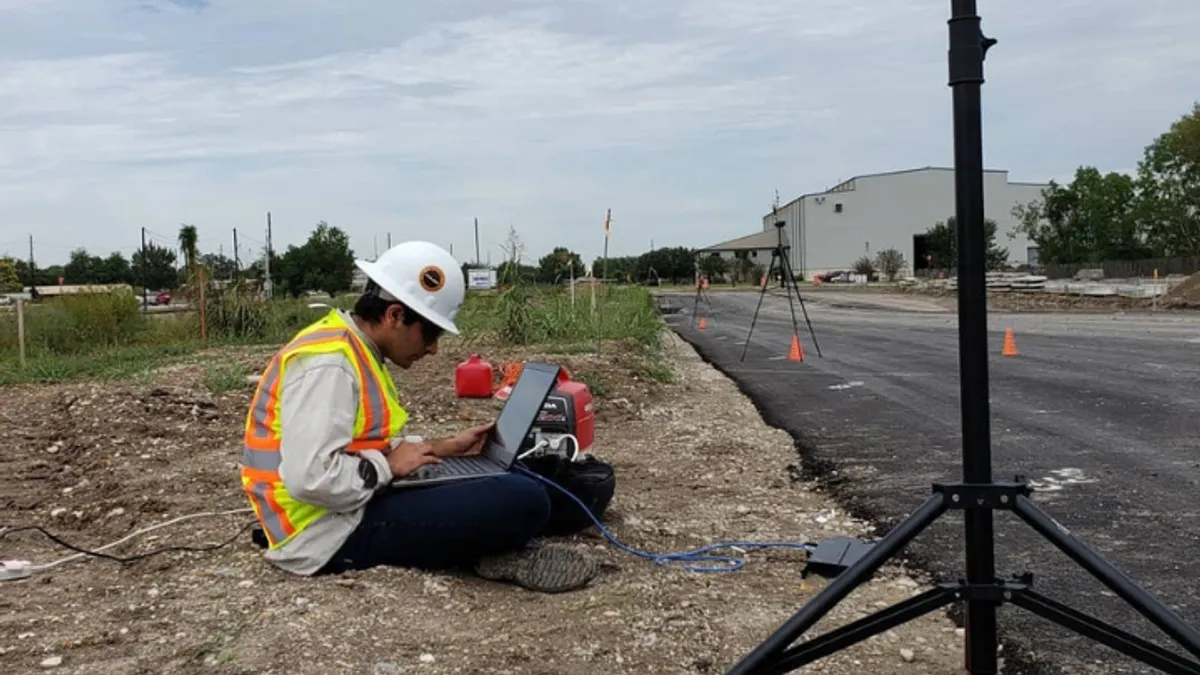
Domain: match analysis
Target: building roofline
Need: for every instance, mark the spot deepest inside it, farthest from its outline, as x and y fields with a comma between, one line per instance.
x=830, y=190
x=748, y=242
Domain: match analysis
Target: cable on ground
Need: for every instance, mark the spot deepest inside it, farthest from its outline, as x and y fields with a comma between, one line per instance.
x=99, y=552
x=715, y=563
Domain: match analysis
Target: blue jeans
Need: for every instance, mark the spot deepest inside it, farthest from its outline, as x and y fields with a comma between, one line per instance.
x=446, y=526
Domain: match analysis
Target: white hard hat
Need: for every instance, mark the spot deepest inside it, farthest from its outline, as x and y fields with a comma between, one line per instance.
x=422, y=275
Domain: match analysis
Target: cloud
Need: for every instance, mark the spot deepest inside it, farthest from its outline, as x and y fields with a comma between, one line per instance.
x=682, y=116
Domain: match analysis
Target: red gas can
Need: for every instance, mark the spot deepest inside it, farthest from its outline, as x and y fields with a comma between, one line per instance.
x=473, y=378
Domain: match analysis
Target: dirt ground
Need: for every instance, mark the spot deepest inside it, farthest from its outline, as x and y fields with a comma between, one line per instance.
x=1051, y=302
x=1187, y=293
x=93, y=462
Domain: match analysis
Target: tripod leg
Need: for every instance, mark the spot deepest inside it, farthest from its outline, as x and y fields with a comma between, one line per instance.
x=853, y=633
x=761, y=294
x=1110, y=576
x=839, y=588
x=1143, y=650
x=784, y=265
x=788, y=267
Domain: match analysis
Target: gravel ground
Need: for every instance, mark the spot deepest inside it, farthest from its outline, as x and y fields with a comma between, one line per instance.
x=93, y=462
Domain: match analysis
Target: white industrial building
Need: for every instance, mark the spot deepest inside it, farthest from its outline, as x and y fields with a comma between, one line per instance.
x=866, y=214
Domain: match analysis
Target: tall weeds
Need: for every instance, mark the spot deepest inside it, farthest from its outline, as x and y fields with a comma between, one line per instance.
x=236, y=315
x=75, y=324
x=89, y=334
x=522, y=315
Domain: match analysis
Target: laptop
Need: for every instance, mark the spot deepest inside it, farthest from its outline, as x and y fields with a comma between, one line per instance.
x=516, y=419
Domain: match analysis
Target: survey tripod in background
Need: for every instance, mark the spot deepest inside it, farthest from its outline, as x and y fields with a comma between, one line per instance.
x=788, y=281
x=978, y=495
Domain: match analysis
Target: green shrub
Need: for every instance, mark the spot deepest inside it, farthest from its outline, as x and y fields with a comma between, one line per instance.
x=76, y=324
x=523, y=315
x=107, y=334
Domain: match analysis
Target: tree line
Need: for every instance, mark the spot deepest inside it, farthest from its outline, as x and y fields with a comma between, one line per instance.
x=662, y=265
x=323, y=263
x=1100, y=217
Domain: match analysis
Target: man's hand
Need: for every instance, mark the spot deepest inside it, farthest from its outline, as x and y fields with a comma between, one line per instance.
x=465, y=443
x=406, y=458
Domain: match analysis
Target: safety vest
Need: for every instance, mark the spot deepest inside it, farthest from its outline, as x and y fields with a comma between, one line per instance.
x=380, y=417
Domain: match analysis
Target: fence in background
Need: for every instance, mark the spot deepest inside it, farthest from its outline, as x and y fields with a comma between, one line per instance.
x=1128, y=269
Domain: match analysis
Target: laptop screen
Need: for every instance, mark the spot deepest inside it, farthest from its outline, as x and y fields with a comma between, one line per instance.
x=521, y=409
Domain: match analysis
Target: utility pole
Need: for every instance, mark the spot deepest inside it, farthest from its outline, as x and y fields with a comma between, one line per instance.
x=145, y=298
x=237, y=265
x=477, y=242
x=389, y=240
x=32, y=267
x=375, y=245
x=267, y=286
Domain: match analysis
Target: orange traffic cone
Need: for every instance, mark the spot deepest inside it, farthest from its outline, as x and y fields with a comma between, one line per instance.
x=797, y=354
x=1010, y=344
x=703, y=323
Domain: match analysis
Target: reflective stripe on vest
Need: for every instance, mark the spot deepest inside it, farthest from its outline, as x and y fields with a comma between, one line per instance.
x=379, y=418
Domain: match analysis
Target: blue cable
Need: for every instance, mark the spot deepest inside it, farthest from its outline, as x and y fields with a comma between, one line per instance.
x=718, y=563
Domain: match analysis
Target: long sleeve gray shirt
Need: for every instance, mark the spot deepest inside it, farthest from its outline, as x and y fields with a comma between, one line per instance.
x=320, y=394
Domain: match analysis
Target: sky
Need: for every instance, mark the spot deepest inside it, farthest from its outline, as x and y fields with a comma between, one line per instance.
x=412, y=119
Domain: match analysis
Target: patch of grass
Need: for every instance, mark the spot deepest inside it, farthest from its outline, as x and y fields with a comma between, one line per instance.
x=594, y=381
x=224, y=379
x=549, y=317
x=523, y=315
x=238, y=317
x=113, y=363
x=659, y=370
x=107, y=336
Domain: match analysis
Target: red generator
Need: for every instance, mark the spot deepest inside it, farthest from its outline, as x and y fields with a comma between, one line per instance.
x=567, y=410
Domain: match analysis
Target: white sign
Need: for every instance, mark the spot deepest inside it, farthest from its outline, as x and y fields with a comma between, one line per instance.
x=481, y=279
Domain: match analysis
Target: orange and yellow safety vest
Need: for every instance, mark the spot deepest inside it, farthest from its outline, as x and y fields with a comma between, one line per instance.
x=380, y=418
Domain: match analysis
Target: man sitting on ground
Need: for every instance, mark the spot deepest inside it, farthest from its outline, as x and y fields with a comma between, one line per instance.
x=322, y=444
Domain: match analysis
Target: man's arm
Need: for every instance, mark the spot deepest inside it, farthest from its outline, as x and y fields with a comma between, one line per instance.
x=320, y=403
x=467, y=442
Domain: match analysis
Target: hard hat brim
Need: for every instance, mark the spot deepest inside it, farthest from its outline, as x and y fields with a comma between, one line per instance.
x=374, y=273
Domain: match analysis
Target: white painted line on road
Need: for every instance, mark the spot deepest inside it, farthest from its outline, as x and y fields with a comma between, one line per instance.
x=1059, y=479
x=758, y=371
x=847, y=385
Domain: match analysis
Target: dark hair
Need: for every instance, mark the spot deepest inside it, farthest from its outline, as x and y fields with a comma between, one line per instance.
x=372, y=308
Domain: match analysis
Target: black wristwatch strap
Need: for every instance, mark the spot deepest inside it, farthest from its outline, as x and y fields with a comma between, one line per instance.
x=368, y=473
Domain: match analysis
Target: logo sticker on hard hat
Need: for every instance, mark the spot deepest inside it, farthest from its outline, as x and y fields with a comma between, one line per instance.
x=432, y=279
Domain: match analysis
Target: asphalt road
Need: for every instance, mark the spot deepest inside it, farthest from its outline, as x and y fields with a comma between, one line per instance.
x=1101, y=412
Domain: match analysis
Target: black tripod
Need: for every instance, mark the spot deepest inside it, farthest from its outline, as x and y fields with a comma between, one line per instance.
x=978, y=494
x=788, y=281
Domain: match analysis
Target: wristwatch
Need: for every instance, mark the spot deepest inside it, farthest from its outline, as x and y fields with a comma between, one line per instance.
x=366, y=470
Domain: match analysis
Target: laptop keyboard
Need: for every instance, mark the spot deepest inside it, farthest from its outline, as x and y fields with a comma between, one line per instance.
x=456, y=466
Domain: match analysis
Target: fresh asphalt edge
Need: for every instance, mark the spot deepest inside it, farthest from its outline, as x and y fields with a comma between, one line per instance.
x=824, y=475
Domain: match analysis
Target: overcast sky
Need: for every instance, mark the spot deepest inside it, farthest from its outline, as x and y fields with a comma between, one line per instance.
x=413, y=118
